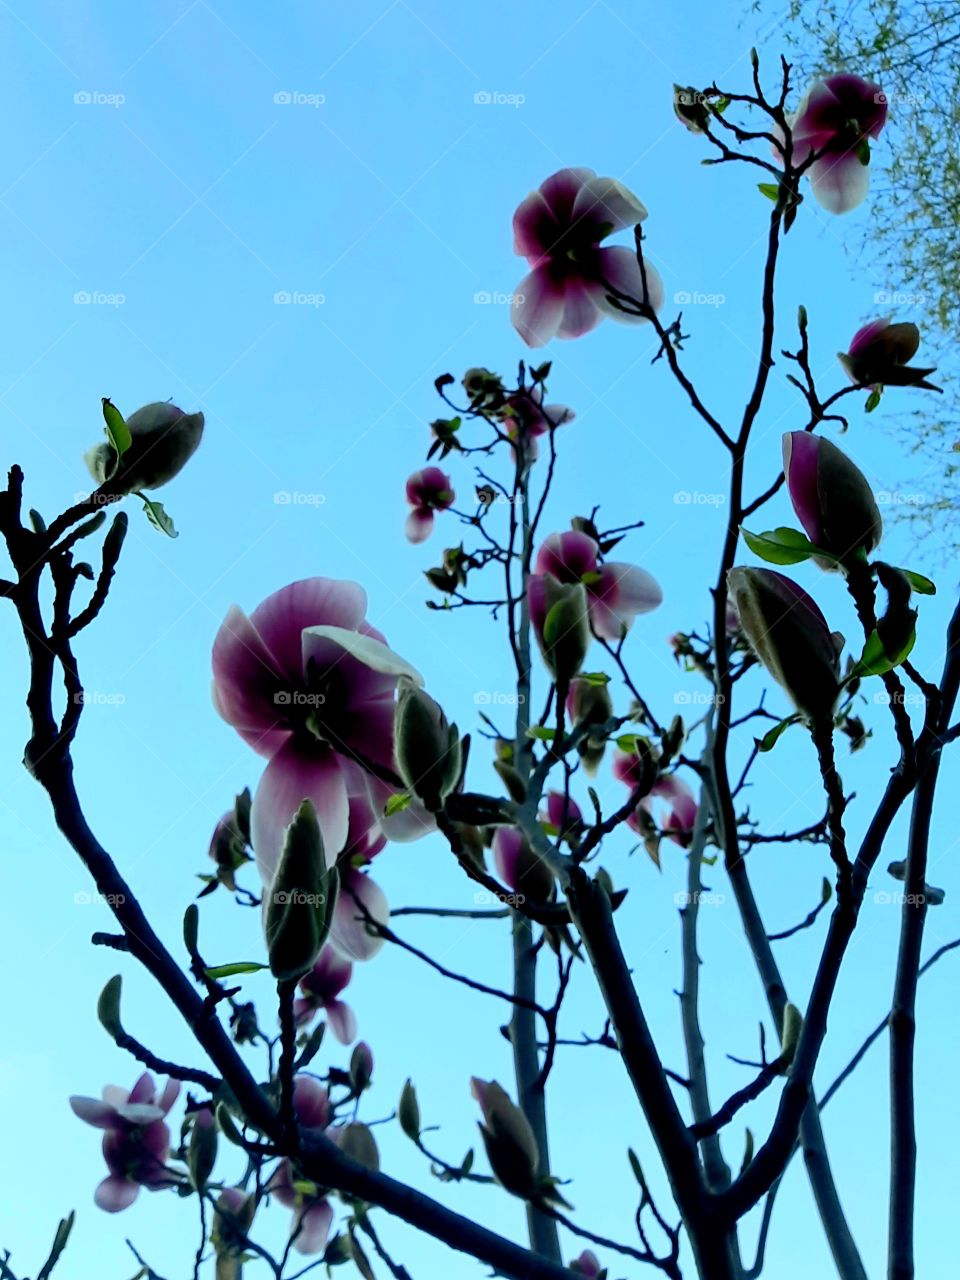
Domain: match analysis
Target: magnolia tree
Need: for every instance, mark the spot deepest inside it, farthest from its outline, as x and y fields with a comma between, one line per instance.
x=356, y=754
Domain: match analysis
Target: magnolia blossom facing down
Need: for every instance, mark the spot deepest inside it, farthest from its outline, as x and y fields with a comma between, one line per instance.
x=428, y=491
x=320, y=990
x=313, y=1214
x=681, y=815
x=525, y=418
x=587, y=1265
x=790, y=636
x=835, y=121
x=136, y=1144
x=307, y=682
x=523, y=871
x=616, y=593
x=559, y=229
x=831, y=496
x=879, y=354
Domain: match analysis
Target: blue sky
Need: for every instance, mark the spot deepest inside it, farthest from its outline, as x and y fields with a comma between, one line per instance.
x=154, y=171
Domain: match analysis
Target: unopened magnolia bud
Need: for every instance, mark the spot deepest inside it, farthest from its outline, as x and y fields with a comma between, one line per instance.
x=426, y=747
x=299, y=905
x=361, y=1067
x=356, y=1141
x=831, y=496
x=879, y=356
x=202, y=1151
x=512, y=780
x=485, y=389
x=792, y=1026
x=162, y=440
x=508, y=1138
x=589, y=704
x=790, y=636
x=232, y=1220
x=689, y=106
x=558, y=612
x=408, y=1112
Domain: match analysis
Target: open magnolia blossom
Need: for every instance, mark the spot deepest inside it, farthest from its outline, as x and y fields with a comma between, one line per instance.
x=680, y=816
x=879, y=356
x=307, y=682
x=428, y=490
x=835, y=121
x=616, y=593
x=313, y=1213
x=559, y=229
x=320, y=991
x=136, y=1144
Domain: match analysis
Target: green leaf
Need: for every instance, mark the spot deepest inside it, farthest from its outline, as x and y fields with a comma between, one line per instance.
x=873, y=661
x=923, y=586
x=783, y=546
x=628, y=742
x=598, y=678
x=541, y=734
x=396, y=803
x=231, y=970
x=769, y=189
x=770, y=739
x=158, y=517
x=873, y=400
x=118, y=433
x=826, y=891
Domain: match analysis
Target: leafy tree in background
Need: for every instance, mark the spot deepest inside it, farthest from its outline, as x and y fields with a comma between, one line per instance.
x=356, y=755
x=910, y=247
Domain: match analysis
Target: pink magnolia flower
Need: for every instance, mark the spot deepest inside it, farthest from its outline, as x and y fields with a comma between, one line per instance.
x=681, y=813
x=879, y=354
x=428, y=491
x=835, y=120
x=307, y=682
x=587, y=1265
x=526, y=418
x=563, y=812
x=321, y=989
x=313, y=1214
x=136, y=1144
x=831, y=496
x=522, y=870
x=559, y=229
x=616, y=592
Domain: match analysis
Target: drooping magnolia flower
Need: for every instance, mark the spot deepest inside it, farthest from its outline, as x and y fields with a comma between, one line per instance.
x=616, y=592
x=879, y=355
x=681, y=815
x=428, y=490
x=790, y=636
x=831, y=496
x=136, y=1144
x=313, y=1214
x=320, y=990
x=162, y=440
x=307, y=682
x=525, y=418
x=522, y=870
x=360, y=904
x=509, y=1140
x=559, y=229
x=835, y=121
x=563, y=812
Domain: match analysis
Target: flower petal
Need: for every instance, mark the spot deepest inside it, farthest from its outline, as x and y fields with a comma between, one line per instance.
x=608, y=204
x=538, y=306
x=312, y=1228
x=293, y=775
x=327, y=645
x=350, y=933
x=92, y=1111
x=840, y=182
x=245, y=684
x=115, y=1193
x=620, y=268
x=342, y=1021
x=282, y=618
x=419, y=525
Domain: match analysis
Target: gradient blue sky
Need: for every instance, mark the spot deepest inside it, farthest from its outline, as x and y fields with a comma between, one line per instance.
x=180, y=196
